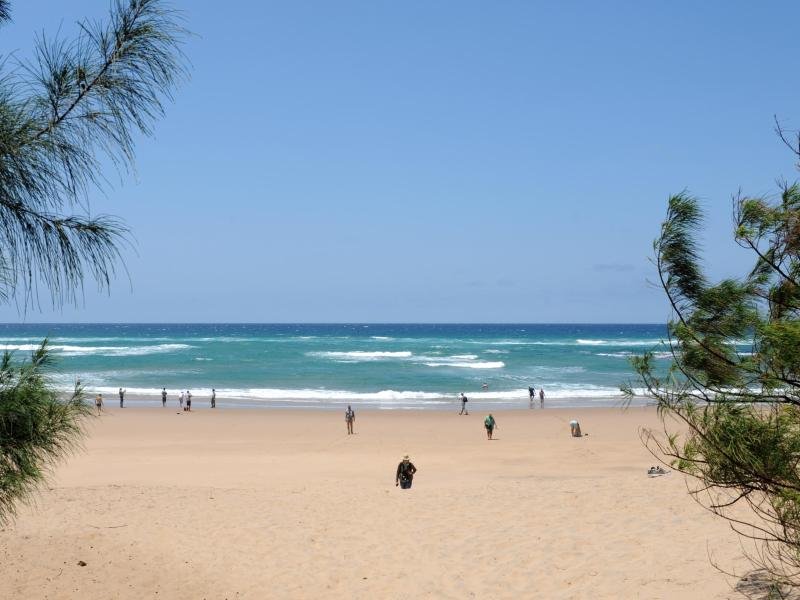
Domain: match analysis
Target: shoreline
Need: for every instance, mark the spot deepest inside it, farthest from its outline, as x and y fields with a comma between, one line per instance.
x=140, y=401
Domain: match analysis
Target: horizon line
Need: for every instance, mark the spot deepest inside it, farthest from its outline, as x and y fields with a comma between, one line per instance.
x=367, y=323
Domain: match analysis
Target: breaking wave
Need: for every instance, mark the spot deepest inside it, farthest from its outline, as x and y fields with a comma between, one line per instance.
x=65, y=350
x=361, y=355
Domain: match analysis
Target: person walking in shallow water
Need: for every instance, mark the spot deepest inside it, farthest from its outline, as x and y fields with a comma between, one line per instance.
x=405, y=473
x=121, y=398
x=350, y=419
x=531, y=395
x=163, y=396
x=464, y=401
x=541, y=398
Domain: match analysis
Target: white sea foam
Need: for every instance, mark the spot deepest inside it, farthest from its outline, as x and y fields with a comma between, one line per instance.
x=468, y=365
x=577, y=342
x=617, y=342
x=495, y=351
x=463, y=357
x=66, y=350
x=625, y=354
x=361, y=355
x=381, y=337
x=411, y=398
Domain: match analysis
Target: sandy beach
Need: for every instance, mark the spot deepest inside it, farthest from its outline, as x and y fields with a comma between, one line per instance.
x=284, y=504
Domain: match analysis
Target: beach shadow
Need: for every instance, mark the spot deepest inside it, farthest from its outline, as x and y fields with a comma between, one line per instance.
x=759, y=585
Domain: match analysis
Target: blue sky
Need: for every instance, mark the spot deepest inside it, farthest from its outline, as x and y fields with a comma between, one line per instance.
x=438, y=161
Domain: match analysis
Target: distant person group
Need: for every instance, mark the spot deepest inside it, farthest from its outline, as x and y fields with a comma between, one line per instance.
x=184, y=400
x=532, y=396
x=404, y=475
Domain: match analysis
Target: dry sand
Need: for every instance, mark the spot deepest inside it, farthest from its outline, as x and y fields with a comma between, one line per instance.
x=283, y=504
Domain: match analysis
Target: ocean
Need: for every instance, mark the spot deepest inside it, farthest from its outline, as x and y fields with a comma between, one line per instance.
x=391, y=366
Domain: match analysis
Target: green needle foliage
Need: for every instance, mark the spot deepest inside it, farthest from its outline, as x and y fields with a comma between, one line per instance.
x=75, y=105
x=79, y=101
x=738, y=411
x=37, y=429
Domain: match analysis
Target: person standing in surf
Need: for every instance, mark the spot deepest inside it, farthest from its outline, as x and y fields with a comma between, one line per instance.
x=464, y=401
x=163, y=397
x=213, y=398
x=541, y=398
x=531, y=395
x=350, y=419
x=405, y=473
x=188, y=401
x=180, y=400
x=121, y=398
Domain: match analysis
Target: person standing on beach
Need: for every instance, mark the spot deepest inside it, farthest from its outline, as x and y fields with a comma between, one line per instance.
x=350, y=418
x=98, y=402
x=180, y=400
x=188, y=401
x=541, y=398
x=163, y=396
x=121, y=398
x=405, y=473
x=489, y=423
x=213, y=398
x=464, y=401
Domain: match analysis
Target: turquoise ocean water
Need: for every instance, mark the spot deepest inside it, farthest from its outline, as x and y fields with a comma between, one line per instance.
x=328, y=366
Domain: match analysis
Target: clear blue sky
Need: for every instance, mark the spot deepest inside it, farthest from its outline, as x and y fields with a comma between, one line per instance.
x=439, y=161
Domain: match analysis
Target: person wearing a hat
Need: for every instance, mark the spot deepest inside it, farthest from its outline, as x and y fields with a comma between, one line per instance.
x=405, y=473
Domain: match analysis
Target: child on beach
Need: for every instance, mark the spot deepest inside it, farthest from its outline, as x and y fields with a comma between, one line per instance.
x=98, y=402
x=489, y=423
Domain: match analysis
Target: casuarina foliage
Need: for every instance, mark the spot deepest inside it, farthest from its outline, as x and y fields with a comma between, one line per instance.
x=75, y=105
x=730, y=400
